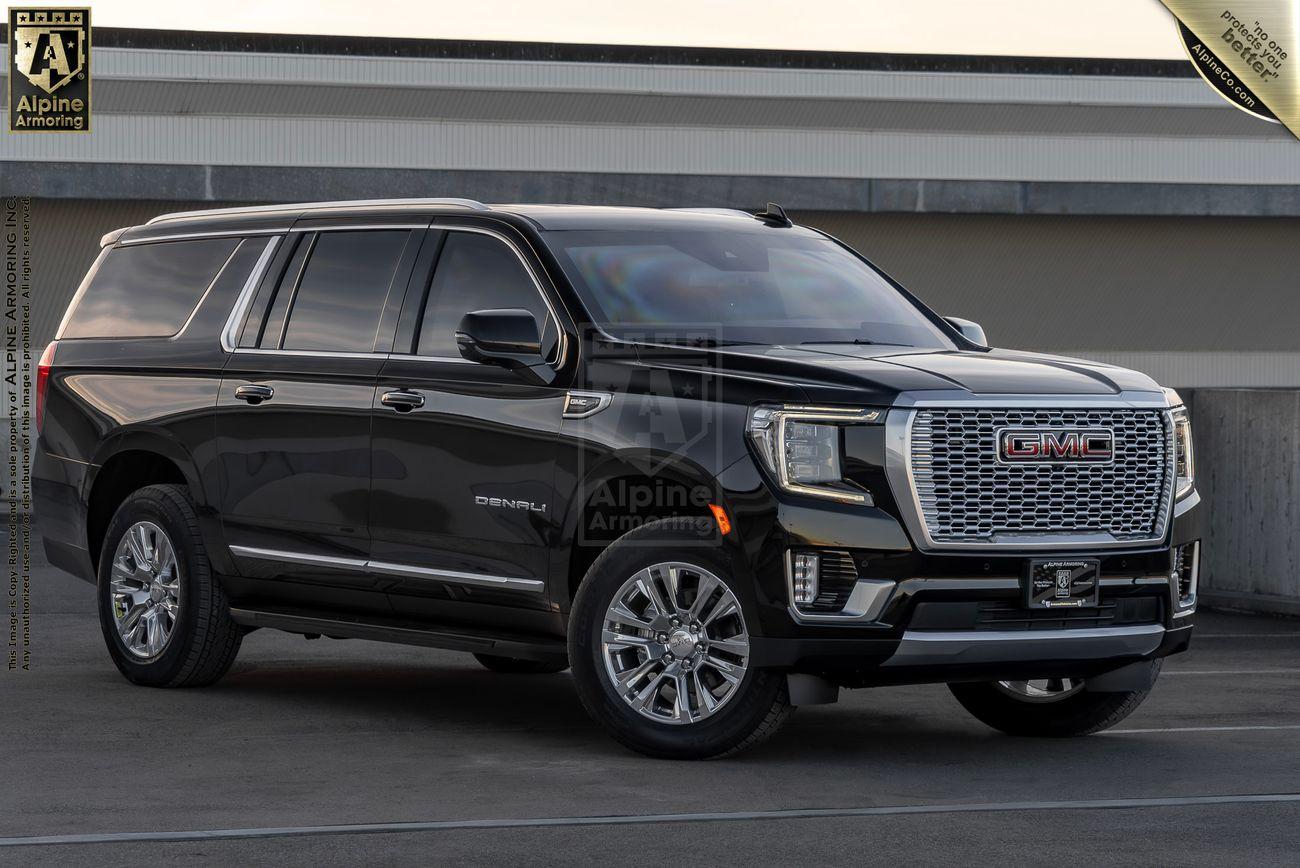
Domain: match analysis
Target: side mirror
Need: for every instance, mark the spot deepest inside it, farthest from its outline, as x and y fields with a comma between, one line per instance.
x=971, y=331
x=508, y=338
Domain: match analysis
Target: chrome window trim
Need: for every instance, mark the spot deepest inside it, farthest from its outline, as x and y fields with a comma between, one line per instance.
x=562, y=338
x=240, y=310
x=483, y=580
x=898, y=467
x=316, y=354
x=246, y=293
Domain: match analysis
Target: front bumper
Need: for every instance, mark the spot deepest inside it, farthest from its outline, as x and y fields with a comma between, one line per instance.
x=950, y=656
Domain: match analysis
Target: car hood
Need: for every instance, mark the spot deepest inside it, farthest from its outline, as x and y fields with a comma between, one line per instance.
x=879, y=373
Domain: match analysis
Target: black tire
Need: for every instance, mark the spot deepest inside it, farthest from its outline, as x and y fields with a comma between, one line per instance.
x=517, y=666
x=1082, y=713
x=204, y=638
x=751, y=715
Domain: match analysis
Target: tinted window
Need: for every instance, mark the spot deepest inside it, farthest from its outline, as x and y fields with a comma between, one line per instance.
x=763, y=286
x=475, y=272
x=148, y=290
x=341, y=296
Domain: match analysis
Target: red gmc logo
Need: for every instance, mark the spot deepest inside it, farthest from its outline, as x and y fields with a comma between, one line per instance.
x=1055, y=445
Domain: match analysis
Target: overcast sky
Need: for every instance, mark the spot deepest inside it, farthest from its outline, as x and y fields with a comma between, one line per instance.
x=1072, y=28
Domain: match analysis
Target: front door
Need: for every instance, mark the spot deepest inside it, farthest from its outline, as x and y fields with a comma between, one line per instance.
x=462, y=512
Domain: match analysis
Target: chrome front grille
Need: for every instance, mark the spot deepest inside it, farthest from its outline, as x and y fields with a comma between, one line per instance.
x=966, y=496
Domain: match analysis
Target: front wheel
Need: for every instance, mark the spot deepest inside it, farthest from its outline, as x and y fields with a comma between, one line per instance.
x=1049, y=707
x=660, y=650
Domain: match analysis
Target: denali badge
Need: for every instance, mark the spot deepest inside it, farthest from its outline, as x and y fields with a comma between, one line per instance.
x=509, y=503
x=1055, y=445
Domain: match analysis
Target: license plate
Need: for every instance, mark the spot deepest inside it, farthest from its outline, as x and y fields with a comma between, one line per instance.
x=1062, y=584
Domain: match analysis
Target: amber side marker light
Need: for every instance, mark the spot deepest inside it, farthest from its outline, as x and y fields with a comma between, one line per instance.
x=720, y=516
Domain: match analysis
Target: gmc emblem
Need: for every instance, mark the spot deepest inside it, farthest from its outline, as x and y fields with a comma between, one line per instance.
x=1055, y=445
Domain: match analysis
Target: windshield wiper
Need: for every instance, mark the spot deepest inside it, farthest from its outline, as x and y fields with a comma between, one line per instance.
x=860, y=342
x=706, y=343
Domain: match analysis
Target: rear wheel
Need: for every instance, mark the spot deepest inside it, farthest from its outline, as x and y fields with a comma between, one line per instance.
x=518, y=666
x=659, y=644
x=165, y=619
x=1049, y=707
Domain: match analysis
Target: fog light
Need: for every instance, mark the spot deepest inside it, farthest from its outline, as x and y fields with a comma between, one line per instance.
x=1187, y=558
x=804, y=575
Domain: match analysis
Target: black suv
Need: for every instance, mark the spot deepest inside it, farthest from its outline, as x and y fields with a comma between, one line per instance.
x=719, y=464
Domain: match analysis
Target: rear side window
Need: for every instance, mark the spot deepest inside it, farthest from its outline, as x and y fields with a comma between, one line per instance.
x=474, y=272
x=148, y=290
x=340, y=298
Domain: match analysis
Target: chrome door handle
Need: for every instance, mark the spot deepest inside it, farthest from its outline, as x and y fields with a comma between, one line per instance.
x=254, y=394
x=402, y=401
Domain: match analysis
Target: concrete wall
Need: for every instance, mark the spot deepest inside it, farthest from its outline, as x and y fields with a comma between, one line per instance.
x=1248, y=471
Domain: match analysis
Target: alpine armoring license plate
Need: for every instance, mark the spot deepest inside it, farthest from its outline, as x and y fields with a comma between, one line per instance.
x=1062, y=584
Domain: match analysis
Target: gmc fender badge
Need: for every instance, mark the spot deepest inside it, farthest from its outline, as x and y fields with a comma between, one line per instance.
x=1055, y=445
x=580, y=405
x=508, y=503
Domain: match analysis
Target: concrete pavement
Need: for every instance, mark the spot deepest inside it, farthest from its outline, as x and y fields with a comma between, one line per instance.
x=321, y=733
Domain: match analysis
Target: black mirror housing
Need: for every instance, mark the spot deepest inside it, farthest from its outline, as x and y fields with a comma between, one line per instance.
x=508, y=338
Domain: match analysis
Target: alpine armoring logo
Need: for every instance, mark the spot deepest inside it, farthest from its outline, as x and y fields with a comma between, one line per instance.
x=49, y=80
x=1056, y=445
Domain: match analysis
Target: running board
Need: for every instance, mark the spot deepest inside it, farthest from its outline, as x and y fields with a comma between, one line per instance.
x=406, y=634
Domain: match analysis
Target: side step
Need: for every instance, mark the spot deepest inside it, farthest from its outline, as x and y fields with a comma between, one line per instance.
x=452, y=639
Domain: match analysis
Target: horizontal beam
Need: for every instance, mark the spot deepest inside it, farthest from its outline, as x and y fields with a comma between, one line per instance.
x=205, y=183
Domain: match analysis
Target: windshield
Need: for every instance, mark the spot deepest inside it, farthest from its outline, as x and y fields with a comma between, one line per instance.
x=720, y=287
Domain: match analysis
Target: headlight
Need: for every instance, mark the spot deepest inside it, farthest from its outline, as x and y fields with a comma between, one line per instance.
x=1184, y=461
x=800, y=446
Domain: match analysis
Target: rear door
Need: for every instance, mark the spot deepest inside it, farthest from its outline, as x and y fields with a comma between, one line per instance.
x=294, y=412
x=462, y=505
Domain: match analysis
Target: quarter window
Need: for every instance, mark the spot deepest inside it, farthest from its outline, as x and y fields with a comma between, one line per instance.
x=340, y=298
x=148, y=290
x=476, y=272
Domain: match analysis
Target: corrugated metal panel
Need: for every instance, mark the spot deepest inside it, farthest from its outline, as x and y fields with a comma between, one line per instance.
x=633, y=78
x=134, y=96
x=554, y=147
x=1220, y=291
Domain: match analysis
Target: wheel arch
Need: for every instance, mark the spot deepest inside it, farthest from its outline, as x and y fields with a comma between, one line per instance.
x=622, y=492
x=125, y=464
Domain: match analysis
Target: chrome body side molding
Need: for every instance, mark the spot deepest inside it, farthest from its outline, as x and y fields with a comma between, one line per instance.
x=384, y=568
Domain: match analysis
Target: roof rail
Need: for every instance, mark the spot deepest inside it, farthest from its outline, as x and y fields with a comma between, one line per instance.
x=723, y=212
x=110, y=238
x=472, y=204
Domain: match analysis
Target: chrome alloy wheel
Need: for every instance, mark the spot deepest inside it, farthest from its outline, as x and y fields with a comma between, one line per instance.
x=1042, y=689
x=145, y=584
x=675, y=643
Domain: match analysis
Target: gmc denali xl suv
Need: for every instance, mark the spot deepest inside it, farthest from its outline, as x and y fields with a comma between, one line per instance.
x=718, y=464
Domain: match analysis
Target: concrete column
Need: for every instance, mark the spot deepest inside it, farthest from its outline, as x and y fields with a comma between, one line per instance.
x=1248, y=471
